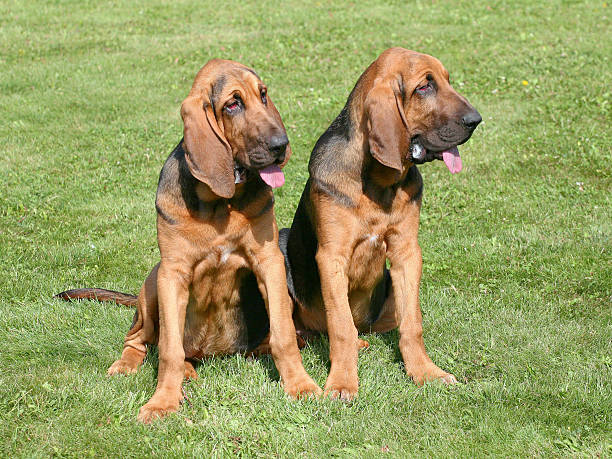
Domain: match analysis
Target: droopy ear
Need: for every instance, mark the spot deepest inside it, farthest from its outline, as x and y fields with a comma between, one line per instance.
x=208, y=154
x=387, y=129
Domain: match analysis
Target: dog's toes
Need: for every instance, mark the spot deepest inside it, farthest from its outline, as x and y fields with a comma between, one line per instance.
x=362, y=344
x=152, y=411
x=343, y=391
x=431, y=373
x=304, y=388
x=344, y=395
x=448, y=379
x=122, y=367
x=190, y=372
x=160, y=406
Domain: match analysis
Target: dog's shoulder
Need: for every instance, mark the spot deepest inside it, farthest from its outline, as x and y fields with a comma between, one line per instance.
x=176, y=188
x=334, y=171
x=173, y=175
x=326, y=156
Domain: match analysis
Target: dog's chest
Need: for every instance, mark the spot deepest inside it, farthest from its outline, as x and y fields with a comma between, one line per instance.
x=215, y=322
x=370, y=244
x=369, y=254
x=215, y=275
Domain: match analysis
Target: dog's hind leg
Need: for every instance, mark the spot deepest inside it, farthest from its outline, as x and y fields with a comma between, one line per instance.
x=387, y=320
x=143, y=330
x=190, y=372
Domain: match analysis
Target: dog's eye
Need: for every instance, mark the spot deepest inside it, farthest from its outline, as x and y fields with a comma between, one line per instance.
x=264, y=97
x=234, y=104
x=425, y=88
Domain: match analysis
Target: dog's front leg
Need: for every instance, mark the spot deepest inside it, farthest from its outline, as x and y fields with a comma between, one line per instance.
x=342, y=381
x=283, y=343
x=173, y=293
x=404, y=253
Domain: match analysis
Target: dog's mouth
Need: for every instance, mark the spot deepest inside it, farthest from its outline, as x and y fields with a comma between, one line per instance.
x=419, y=155
x=271, y=174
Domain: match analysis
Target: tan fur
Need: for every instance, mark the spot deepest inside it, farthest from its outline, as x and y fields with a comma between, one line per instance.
x=382, y=223
x=188, y=303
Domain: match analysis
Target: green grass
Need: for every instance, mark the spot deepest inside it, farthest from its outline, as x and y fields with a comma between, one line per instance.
x=517, y=274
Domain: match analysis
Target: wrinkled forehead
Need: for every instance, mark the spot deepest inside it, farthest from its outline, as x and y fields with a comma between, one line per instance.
x=225, y=78
x=423, y=64
x=242, y=80
x=416, y=66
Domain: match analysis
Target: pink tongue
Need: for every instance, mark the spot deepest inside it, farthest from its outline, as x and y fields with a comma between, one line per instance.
x=452, y=160
x=273, y=176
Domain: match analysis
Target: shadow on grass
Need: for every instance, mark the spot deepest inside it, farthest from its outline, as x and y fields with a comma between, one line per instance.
x=319, y=345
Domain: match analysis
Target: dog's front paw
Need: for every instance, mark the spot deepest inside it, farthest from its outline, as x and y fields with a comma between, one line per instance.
x=153, y=410
x=430, y=373
x=448, y=379
x=122, y=367
x=128, y=363
x=342, y=389
x=344, y=394
x=302, y=388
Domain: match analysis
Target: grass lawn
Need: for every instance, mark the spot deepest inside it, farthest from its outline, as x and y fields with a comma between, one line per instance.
x=517, y=281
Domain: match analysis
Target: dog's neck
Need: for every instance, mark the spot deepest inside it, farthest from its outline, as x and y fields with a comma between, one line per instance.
x=206, y=195
x=386, y=177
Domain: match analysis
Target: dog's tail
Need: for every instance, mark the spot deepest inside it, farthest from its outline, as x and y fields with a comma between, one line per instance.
x=99, y=294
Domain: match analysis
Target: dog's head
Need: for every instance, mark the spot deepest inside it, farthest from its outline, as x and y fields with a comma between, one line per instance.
x=232, y=128
x=413, y=113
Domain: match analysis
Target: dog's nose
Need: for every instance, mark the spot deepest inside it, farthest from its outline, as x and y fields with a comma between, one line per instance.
x=278, y=144
x=471, y=120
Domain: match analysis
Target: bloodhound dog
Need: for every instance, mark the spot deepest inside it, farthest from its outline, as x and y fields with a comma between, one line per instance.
x=220, y=286
x=361, y=206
